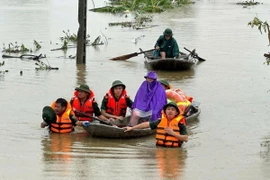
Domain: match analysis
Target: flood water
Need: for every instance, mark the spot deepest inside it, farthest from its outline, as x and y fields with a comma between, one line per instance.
x=228, y=141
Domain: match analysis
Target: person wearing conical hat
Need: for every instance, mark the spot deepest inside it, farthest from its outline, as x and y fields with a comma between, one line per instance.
x=59, y=117
x=116, y=101
x=170, y=132
x=84, y=104
x=166, y=46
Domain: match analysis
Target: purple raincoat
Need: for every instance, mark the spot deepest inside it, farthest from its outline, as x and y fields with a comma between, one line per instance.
x=150, y=96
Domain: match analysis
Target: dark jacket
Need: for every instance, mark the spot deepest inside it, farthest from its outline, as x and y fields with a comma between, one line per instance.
x=170, y=47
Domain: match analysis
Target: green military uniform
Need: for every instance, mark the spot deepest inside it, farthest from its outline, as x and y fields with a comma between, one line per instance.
x=170, y=47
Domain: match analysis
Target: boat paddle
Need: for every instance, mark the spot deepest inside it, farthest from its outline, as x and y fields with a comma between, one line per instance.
x=95, y=118
x=195, y=55
x=128, y=56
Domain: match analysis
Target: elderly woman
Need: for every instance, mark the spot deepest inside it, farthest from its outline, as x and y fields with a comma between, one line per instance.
x=149, y=100
x=170, y=131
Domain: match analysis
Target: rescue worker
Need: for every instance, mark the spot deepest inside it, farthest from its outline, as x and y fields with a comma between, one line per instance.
x=84, y=105
x=166, y=46
x=170, y=131
x=59, y=117
x=116, y=101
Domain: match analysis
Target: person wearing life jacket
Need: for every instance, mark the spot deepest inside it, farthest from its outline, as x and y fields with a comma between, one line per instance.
x=59, y=117
x=177, y=95
x=116, y=101
x=170, y=131
x=84, y=105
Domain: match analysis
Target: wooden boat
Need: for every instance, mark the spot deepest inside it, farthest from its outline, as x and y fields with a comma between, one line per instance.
x=97, y=129
x=184, y=62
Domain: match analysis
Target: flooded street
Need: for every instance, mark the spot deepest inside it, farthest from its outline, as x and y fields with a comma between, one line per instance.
x=229, y=140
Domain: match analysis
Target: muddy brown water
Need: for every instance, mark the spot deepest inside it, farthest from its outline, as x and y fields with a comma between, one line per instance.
x=228, y=141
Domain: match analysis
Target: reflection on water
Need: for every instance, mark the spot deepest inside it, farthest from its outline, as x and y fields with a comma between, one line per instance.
x=170, y=162
x=81, y=74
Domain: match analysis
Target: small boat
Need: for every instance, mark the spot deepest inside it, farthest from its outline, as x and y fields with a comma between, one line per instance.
x=184, y=62
x=97, y=129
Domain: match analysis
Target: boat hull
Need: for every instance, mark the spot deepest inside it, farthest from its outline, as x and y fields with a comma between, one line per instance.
x=97, y=129
x=184, y=62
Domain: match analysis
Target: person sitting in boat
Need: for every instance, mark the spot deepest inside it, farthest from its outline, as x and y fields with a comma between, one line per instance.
x=59, y=117
x=170, y=131
x=149, y=100
x=183, y=101
x=84, y=105
x=116, y=101
x=166, y=46
x=177, y=95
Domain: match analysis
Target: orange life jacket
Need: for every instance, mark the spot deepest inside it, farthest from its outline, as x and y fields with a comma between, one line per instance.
x=180, y=98
x=164, y=139
x=116, y=107
x=86, y=108
x=63, y=123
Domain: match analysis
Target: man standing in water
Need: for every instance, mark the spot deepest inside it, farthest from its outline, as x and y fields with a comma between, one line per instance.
x=166, y=46
x=59, y=117
x=170, y=131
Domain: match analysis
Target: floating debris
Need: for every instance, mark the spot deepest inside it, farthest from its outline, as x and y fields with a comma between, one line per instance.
x=248, y=3
x=25, y=56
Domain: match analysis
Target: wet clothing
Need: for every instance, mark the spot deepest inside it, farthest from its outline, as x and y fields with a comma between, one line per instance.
x=89, y=107
x=150, y=96
x=182, y=127
x=165, y=139
x=117, y=107
x=65, y=122
x=170, y=47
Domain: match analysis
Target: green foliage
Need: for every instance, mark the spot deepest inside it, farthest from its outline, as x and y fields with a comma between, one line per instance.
x=64, y=47
x=37, y=45
x=69, y=37
x=151, y=6
x=15, y=48
x=2, y=63
x=262, y=26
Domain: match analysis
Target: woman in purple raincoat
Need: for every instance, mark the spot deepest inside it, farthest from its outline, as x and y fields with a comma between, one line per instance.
x=150, y=97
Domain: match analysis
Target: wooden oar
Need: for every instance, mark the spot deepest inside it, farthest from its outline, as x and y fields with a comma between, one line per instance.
x=127, y=56
x=95, y=118
x=195, y=55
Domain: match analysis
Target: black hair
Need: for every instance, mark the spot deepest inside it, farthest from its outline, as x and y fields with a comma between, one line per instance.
x=62, y=102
